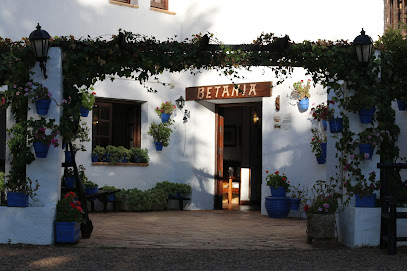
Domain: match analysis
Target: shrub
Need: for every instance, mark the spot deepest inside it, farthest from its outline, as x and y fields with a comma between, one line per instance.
x=140, y=155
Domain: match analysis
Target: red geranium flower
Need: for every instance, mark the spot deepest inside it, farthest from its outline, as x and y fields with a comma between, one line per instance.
x=277, y=172
x=306, y=208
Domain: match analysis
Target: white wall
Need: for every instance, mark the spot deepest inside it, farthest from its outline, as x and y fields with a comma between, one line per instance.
x=284, y=150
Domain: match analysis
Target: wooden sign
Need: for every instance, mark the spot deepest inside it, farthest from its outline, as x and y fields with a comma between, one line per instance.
x=230, y=91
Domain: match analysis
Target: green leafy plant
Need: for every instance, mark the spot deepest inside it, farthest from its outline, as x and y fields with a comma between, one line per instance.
x=298, y=193
x=69, y=209
x=89, y=184
x=150, y=200
x=109, y=188
x=99, y=152
x=140, y=155
x=325, y=198
x=166, y=107
x=33, y=91
x=171, y=188
x=300, y=90
x=117, y=154
x=161, y=132
x=319, y=136
x=39, y=133
x=275, y=180
x=87, y=99
x=371, y=136
x=125, y=154
x=2, y=178
x=358, y=184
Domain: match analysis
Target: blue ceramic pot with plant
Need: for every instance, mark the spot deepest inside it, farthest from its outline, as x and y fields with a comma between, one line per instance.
x=366, y=201
x=401, y=105
x=304, y=103
x=277, y=207
x=41, y=149
x=366, y=115
x=17, y=199
x=336, y=125
x=42, y=106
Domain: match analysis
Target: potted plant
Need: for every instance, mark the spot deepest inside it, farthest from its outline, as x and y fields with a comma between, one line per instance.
x=107, y=188
x=140, y=155
x=39, y=137
x=90, y=187
x=368, y=140
x=125, y=154
x=165, y=111
x=69, y=177
x=321, y=223
x=19, y=190
x=68, y=219
x=161, y=134
x=318, y=144
x=363, y=189
x=278, y=184
x=323, y=112
x=38, y=94
x=300, y=91
x=98, y=153
x=114, y=154
x=87, y=101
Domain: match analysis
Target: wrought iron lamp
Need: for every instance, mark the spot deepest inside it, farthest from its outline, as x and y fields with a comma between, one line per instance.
x=40, y=44
x=363, y=45
x=180, y=102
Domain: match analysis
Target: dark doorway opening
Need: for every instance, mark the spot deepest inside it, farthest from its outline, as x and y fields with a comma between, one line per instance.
x=239, y=156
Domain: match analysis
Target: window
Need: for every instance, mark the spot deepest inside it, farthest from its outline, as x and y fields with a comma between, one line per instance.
x=161, y=4
x=127, y=3
x=396, y=14
x=116, y=123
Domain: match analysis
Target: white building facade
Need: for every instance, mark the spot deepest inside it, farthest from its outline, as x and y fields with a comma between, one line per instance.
x=279, y=140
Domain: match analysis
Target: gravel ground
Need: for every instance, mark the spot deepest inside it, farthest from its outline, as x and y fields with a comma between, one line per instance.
x=68, y=257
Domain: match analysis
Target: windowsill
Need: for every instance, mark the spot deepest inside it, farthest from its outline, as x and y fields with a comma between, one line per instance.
x=120, y=164
x=123, y=4
x=163, y=11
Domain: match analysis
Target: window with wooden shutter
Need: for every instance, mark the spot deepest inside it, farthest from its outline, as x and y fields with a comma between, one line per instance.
x=161, y=4
x=396, y=14
x=116, y=123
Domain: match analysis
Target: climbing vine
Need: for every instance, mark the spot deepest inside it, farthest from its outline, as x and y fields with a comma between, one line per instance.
x=331, y=64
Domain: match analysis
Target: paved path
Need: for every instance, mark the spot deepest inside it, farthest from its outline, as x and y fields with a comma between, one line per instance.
x=196, y=229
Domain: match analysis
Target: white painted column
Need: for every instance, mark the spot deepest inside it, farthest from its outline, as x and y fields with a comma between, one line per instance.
x=35, y=224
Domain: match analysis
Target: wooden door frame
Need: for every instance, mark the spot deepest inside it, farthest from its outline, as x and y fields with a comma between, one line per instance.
x=219, y=176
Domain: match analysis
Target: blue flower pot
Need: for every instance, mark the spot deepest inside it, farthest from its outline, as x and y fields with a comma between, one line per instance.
x=84, y=111
x=91, y=190
x=67, y=232
x=95, y=158
x=277, y=207
x=110, y=197
x=366, y=201
x=165, y=117
x=158, y=146
x=42, y=106
x=336, y=125
x=70, y=182
x=366, y=148
x=366, y=115
x=41, y=149
x=401, y=105
x=295, y=204
x=68, y=156
x=278, y=192
x=304, y=103
x=124, y=161
x=17, y=199
x=321, y=159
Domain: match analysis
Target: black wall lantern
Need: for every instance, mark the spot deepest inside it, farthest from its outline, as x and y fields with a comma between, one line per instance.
x=40, y=43
x=363, y=46
x=180, y=102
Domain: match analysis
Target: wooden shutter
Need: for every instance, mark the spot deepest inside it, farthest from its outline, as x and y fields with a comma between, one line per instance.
x=161, y=4
x=102, y=124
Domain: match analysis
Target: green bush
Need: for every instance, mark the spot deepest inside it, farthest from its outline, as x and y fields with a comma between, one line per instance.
x=89, y=184
x=171, y=188
x=149, y=200
x=140, y=155
x=109, y=188
x=1, y=181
